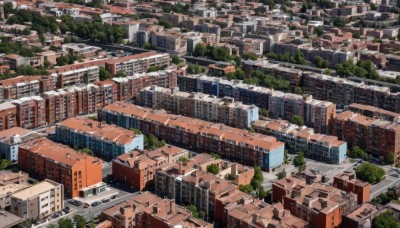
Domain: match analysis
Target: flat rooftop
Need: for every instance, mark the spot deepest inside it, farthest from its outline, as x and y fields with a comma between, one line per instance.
x=34, y=190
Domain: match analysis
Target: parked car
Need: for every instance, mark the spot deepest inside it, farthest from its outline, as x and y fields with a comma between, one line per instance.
x=97, y=203
x=75, y=203
x=66, y=210
x=86, y=205
x=105, y=200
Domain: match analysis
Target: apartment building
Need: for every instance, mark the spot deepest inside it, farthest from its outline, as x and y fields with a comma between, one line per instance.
x=129, y=87
x=374, y=112
x=167, y=178
x=60, y=105
x=39, y=201
x=170, y=41
x=348, y=182
x=15, y=61
x=43, y=158
x=376, y=137
x=76, y=77
x=201, y=106
x=137, y=169
x=321, y=147
x=146, y=210
x=231, y=143
x=344, y=92
x=315, y=113
x=80, y=49
x=11, y=139
x=7, y=190
x=138, y=63
x=262, y=214
x=284, y=73
x=106, y=141
x=9, y=177
x=362, y=216
x=201, y=189
x=31, y=112
x=249, y=45
x=25, y=86
x=317, y=204
x=220, y=70
x=334, y=56
x=8, y=115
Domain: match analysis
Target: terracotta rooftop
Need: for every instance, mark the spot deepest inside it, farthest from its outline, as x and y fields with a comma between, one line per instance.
x=364, y=212
x=57, y=152
x=19, y=79
x=131, y=57
x=196, y=126
x=99, y=130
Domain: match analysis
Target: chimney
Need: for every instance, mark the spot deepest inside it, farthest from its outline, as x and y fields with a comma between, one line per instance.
x=172, y=205
x=324, y=204
x=255, y=218
x=156, y=209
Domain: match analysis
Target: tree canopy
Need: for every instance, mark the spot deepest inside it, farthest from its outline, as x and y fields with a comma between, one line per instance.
x=357, y=152
x=297, y=120
x=370, y=173
x=384, y=220
x=151, y=142
x=213, y=168
x=299, y=159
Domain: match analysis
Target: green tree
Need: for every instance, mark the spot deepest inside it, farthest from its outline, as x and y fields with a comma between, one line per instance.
x=297, y=120
x=202, y=215
x=120, y=74
x=104, y=74
x=65, y=223
x=151, y=142
x=385, y=220
x=87, y=151
x=261, y=193
x=389, y=158
x=250, y=55
x=137, y=131
x=26, y=31
x=80, y=221
x=337, y=22
x=357, y=152
x=386, y=197
x=370, y=173
x=200, y=50
x=258, y=178
x=319, y=31
x=281, y=174
x=263, y=112
x=299, y=159
x=213, y=168
x=4, y=164
x=215, y=155
x=184, y=159
x=246, y=188
x=286, y=158
x=321, y=63
x=356, y=35
x=175, y=59
x=298, y=90
x=166, y=24
x=193, y=210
